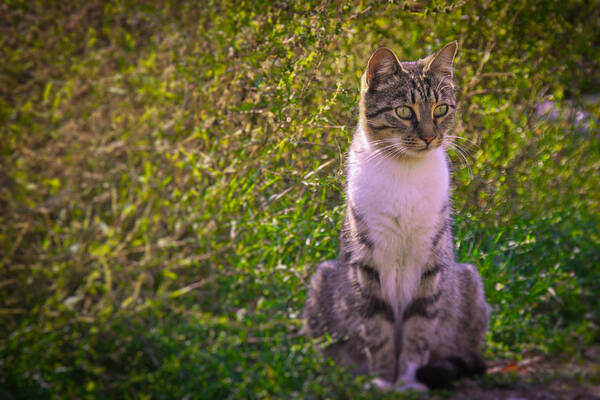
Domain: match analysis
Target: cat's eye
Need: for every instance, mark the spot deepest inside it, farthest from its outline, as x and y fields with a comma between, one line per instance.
x=404, y=112
x=440, y=110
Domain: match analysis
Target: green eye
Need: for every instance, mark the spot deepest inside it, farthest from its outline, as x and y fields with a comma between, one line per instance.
x=404, y=112
x=440, y=110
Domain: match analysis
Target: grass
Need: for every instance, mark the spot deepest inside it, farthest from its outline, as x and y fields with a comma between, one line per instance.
x=171, y=174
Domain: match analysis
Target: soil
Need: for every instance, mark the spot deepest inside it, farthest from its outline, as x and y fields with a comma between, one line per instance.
x=532, y=379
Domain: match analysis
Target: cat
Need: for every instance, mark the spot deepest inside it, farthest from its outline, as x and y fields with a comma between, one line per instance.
x=396, y=303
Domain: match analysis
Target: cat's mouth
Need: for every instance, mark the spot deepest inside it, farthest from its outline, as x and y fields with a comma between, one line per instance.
x=408, y=148
x=424, y=148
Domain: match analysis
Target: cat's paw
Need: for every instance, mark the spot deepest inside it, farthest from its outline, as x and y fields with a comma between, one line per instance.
x=403, y=387
x=383, y=384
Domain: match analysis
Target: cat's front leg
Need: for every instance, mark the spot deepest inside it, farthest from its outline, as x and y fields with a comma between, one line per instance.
x=377, y=336
x=414, y=354
x=419, y=321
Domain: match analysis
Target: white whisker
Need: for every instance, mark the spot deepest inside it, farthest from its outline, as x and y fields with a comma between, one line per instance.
x=462, y=154
x=471, y=142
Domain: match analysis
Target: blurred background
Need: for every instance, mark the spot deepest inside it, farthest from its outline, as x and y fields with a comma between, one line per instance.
x=172, y=171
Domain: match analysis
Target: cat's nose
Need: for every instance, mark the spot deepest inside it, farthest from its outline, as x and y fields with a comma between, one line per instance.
x=426, y=132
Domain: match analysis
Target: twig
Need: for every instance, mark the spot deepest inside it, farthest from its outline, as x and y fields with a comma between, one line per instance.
x=515, y=366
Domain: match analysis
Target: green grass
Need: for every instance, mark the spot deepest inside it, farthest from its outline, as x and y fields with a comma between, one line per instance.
x=171, y=174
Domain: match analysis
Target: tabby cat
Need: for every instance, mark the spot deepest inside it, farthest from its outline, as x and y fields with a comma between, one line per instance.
x=395, y=302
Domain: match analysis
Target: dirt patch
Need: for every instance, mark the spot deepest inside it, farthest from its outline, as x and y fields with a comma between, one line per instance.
x=527, y=391
x=533, y=379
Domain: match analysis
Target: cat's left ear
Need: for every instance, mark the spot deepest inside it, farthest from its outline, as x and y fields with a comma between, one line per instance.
x=382, y=64
x=440, y=62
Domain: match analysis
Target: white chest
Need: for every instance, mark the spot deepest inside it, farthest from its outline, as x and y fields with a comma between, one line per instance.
x=401, y=203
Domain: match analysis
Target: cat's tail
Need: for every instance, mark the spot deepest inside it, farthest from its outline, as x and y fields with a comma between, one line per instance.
x=441, y=373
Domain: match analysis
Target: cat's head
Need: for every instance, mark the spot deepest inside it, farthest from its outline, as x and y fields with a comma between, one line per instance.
x=407, y=108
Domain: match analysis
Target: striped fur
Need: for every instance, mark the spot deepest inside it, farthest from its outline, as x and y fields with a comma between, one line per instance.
x=396, y=302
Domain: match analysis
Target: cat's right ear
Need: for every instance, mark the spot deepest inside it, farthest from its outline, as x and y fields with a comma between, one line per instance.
x=383, y=63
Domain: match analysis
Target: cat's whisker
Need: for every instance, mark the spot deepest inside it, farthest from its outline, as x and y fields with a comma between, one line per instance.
x=374, y=154
x=380, y=141
x=398, y=152
x=388, y=152
x=464, y=146
x=457, y=147
x=379, y=151
x=460, y=146
x=462, y=154
x=467, y=140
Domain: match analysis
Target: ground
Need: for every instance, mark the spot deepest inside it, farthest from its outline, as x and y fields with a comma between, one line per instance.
x=536, y=378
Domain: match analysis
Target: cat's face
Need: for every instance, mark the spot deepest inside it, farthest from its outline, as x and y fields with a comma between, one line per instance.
x=408, y=107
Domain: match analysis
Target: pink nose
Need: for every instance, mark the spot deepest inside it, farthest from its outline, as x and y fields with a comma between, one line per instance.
x=428, y=139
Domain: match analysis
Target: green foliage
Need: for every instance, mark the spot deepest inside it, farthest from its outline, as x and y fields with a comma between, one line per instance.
x=171, y=172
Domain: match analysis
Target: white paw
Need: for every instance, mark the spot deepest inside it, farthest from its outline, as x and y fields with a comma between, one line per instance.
x=411, y=386
x=383, y=384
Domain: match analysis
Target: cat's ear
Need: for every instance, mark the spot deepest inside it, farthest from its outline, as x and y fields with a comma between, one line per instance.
x=383, y=63
x=440, y=62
